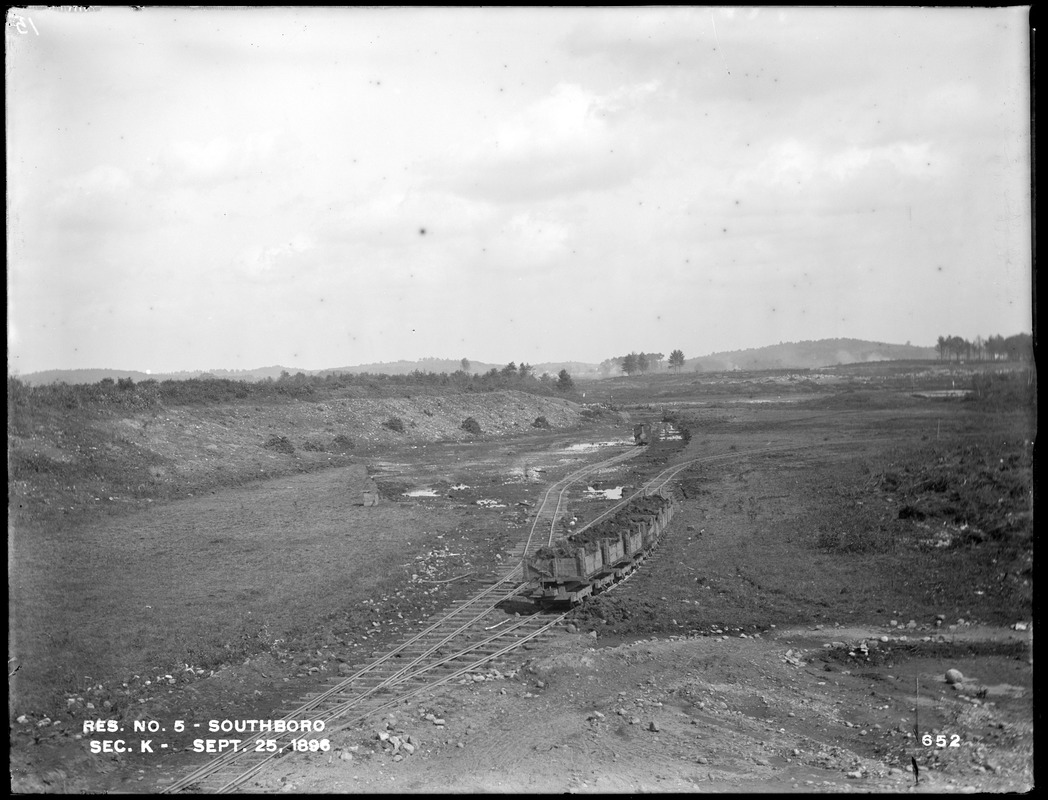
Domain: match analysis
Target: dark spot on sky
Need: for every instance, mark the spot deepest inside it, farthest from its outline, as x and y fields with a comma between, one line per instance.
x=421, y=231
x=724, y=230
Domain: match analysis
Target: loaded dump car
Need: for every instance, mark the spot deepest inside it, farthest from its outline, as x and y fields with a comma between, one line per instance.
x=593, y=559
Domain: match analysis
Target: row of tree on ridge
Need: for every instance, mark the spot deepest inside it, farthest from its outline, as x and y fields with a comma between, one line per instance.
x=994, y=348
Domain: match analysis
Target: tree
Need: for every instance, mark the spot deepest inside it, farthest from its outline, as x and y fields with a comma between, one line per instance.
x=629, y=363
x=525, y=370
x=656, y=360
x=643, y=362
x=940, y=345
x=464, y=363
x=564, y=381
x=510, y=370
x=677, y=360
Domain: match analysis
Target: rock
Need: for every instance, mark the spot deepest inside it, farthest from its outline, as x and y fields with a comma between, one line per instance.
x=345, y=669
x=954, y=676
x=911, y=624
x=634, y=720
x=593, y=634
x=570, y=628
x=346, y=756
x=653, y=726
x=855, y=775
x=398, y=757
x=894, y=623
x=408, y=748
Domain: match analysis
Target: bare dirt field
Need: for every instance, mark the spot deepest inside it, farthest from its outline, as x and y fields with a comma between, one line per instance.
x=833, y=555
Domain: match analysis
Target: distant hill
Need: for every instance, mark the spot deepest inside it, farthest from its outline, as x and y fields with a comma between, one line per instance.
x=791, y=355
x=808, y=355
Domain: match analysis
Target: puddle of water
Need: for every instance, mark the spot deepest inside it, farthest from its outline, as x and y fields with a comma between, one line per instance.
x=607, y=494
x=584, y=446
x=422, y=493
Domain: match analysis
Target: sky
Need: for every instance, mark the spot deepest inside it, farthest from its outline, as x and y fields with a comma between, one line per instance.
x=197, y=189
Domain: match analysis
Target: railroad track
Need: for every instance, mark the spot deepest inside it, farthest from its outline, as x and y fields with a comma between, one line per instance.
x=470, y=634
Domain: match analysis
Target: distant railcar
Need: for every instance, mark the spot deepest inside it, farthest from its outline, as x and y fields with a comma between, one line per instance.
x=642, y=433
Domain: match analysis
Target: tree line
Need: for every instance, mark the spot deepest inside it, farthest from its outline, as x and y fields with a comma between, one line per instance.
x=125, y=392
x=634, y=363
x=994, y=348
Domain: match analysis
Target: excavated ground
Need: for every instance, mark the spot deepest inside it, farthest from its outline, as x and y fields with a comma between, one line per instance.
x=793, y=632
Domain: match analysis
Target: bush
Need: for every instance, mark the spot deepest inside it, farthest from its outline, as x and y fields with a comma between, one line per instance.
x=540, y=422
x=395, y=424
x=342, y=443
x=313, y=446
x=470, y=425
x=280, y=444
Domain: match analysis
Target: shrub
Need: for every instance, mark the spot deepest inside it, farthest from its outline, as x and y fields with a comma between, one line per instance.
x=470, y=425
x=313, y=446
x=342, y=443
x=280, y=444
x=395, y=424
x=540, y=422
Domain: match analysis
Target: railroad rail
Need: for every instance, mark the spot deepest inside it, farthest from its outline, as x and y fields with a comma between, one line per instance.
x=465, y=637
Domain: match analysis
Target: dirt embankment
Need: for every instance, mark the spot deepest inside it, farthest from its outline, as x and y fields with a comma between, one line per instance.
x=64, y=463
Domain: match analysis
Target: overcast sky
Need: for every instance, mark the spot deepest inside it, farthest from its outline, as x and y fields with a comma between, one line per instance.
x=201, y=189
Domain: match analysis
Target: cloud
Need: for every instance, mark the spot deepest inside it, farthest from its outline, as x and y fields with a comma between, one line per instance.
x=274, y=261
x=562, y=144
x=218, y=160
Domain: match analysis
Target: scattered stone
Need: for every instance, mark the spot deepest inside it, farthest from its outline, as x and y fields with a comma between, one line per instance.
x=855, y=775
